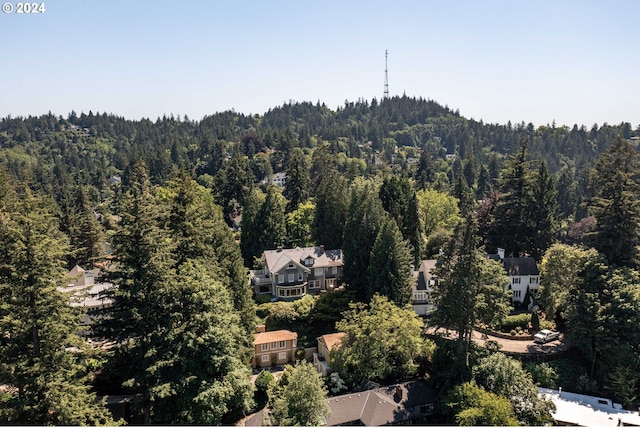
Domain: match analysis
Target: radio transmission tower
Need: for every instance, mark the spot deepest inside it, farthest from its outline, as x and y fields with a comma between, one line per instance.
x=386, y=77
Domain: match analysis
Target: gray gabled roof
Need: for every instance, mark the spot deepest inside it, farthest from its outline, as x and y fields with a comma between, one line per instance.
x=524, y=266
x=382, y=405
x=277, y=259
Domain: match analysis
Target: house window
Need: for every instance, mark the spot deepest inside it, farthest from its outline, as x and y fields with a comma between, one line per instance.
x=265, y=358
x=515, y=280
x=291, y=277
x=317, y=272
x=517, y=294
x=280, y=278
x=331, y=283
x=282, y=355
x=334, y=270
x=281, y=293
x=282, y=344
x=299, y=277
x=534, y=280
x=265, y=347
x=290, y=266
x=314, y=284
x=274, y=345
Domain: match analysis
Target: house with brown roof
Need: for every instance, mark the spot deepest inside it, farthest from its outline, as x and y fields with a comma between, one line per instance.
x=289, y=274
x=407, y=403
x=274, y=348
x=326, y=343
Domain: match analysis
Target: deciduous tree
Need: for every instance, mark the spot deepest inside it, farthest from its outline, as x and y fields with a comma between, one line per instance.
x=383, y=343
x=299, y=398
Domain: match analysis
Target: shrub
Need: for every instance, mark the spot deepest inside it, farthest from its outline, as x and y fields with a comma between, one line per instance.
x=547, y=324
x=300, y=354
x=511, y=322
x=535, y=321
x=264, y=380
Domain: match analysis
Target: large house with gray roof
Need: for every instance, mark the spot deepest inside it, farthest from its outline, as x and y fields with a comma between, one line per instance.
x=289, y=274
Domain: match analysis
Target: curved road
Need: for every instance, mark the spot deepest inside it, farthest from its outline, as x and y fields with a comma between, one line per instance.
x=510, y=346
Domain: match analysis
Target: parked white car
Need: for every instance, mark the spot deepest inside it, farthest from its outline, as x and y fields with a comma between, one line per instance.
x=546, y=335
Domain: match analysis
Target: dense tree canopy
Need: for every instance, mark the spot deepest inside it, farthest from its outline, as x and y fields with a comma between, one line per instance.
x=383, y=343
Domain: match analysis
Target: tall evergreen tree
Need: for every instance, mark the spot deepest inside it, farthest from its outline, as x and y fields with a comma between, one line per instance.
x=271, y=221
x=331, y=209
x=234, y=182
x=425, y=172
x=389, y=267
x=199, y=233
x=543, y=212
x=250, y=233
x=464, y=194
x=364, y=219
x=616, y=204
x=143, y=262
x=46, y=382
x=514, y=228
x=399, y=200
x=470, y=288
x=296, y=189
x=85, y=232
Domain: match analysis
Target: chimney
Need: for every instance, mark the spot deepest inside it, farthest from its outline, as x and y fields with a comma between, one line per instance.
x=260, y=329
x=321, y=249
x=413, y=269
x=398, y=393
x=501, y=253
x=279, y=249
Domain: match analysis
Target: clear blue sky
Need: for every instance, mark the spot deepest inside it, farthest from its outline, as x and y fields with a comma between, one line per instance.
x=533, y=61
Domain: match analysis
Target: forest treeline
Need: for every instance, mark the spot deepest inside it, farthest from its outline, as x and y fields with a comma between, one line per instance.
x=56, y=153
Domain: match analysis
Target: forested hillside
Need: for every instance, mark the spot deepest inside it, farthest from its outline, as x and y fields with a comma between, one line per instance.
x=57, y=154
x=175, y=211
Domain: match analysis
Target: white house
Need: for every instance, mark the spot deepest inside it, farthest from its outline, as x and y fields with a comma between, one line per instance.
x=279, y=179
x=582, y=410
x=523, y=274
x=423, y=284
x=87, y=293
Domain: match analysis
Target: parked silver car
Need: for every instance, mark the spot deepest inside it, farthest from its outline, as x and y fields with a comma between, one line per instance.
x=545, y=336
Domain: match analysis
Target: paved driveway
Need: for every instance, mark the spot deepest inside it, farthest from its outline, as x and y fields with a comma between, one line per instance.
x=510, y=346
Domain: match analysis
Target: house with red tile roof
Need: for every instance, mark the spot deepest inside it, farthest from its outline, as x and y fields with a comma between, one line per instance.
x=274, y=348
x=326, y=343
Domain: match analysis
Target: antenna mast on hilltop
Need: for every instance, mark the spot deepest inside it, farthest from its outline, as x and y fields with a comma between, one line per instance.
x=386, y=77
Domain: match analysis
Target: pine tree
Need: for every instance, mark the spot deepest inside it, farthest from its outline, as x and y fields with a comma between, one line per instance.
x=250, y=233
x=197, y=370
x=296, y=189
x=143, y=262
x=270, y=220
x=199, y=233
x=85, y=232
x=514, y=228
x=389, y=267
x=364, y=219
x=46, y=382
x=543, y=212
x=470, y=288
x=616, y=204
x=399, y=200
x=331, y=209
